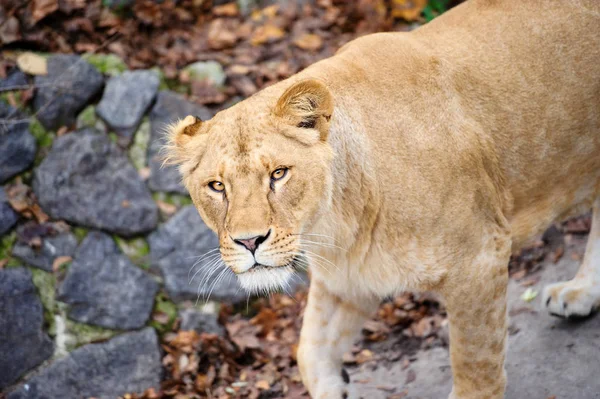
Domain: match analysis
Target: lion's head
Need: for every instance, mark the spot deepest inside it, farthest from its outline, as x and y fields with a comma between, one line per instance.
x=259, y=172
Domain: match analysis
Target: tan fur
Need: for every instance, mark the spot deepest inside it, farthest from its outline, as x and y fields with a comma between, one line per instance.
x=417, y=161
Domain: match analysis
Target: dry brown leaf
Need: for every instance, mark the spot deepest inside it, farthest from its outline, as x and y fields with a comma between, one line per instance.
x=364, y=356
x=410, y=376
x=166, y=208
x=59, y=261
x=32, y=64
x=220, y=36
x=262, y=384
x=9, y=30
x=144, y=173
x=557, y=254
x=266, y=34
x=226, y=10
x=399, y=395
x=309, y=41
x=41, y=8
x=409, y=10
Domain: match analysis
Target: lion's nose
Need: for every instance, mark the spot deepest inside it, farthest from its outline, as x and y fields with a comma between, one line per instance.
x=252, y=243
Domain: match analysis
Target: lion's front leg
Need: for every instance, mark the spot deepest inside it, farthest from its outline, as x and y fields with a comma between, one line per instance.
x=331, y=323
x=475, y=296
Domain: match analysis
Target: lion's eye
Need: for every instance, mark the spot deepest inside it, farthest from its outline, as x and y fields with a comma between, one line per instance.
x=279, y=174
x=216, y=186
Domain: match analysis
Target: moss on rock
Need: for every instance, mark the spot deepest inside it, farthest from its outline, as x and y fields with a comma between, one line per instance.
x=137, y=249
x=46, y=285
x=139, y=148
x=163, y=306
x=108, y=64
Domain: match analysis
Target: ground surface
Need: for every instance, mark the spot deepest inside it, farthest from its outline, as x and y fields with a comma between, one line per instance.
x=547, y=357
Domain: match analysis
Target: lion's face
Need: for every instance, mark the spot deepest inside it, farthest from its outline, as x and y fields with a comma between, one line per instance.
x=259, y=173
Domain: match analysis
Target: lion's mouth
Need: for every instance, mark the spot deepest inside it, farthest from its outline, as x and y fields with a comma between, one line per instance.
x=292, y=265
x=263, y=279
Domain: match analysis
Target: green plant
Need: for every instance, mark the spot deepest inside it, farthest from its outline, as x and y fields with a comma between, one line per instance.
x=435, y=8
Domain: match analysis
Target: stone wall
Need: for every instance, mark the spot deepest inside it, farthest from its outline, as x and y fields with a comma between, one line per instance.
x=99, y=242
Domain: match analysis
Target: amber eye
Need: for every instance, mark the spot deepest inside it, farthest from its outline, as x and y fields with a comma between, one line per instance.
x=216, y=186
x=279, y=174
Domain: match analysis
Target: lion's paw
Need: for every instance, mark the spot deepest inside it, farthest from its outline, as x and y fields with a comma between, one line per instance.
x=575, y=298
x=336, y=388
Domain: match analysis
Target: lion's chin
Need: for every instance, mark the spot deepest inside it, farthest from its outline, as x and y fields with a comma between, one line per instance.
x=266, y=279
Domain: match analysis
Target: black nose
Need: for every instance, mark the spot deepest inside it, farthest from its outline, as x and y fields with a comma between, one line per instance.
x=252, y=243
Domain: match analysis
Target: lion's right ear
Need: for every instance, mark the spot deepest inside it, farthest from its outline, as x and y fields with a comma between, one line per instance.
x=178, y=137
x=308, y=105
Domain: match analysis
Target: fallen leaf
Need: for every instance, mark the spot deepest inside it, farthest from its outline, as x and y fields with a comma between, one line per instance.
x=219, y=36
x=399, y=395
x=59, y=261
x=226, y=10
x=364, y=356
x=268, y=33
x=529, y=295
x=557, y=254
x=262, y=384
x=410, y=376
x=9, y=30
x=144, y=173
x=409, y=10
x=166, y=208
x=32, y=64
x=309, y=41
x=41, y=8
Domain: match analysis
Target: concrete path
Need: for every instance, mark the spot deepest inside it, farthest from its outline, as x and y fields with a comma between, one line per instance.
x=547, y=357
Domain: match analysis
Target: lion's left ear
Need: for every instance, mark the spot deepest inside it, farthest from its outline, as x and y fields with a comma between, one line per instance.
x=307, y=104
x=178, y=136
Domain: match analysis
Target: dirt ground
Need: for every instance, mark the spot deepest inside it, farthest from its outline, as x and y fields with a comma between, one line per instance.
x=547, y=357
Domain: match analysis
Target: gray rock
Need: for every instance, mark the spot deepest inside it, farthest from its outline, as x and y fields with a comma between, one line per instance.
x=23, y=343
x=128, y=363
x=16, y=80
x=8, y=217
x=168, y=108
x=17, y=145
x=126, y=99
x=69, y=86
x=175, y=247
x=193, y=319
x=87, y=180
x=54, y=244
x=104, y=288
x=207, y=70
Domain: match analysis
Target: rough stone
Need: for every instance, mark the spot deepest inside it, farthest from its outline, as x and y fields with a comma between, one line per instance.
x=174, y=249
x=17, y=145
x=207, y=70
x=193, y=319
x=54, y=244
x=87, y=180
x=69, y=86
x=8, y=217
x=23, y=343
x=168, y=108
x=16, y=80
x=104, y=288
x=126, y=99
x=128, y=363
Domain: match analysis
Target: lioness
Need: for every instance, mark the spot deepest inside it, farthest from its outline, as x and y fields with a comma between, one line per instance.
x=412, y=161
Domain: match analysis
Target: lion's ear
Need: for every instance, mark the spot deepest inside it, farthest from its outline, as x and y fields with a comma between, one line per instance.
x=307, y=104
x=178, y=136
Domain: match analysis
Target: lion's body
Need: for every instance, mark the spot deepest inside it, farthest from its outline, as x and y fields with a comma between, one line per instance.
x=453, y=145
